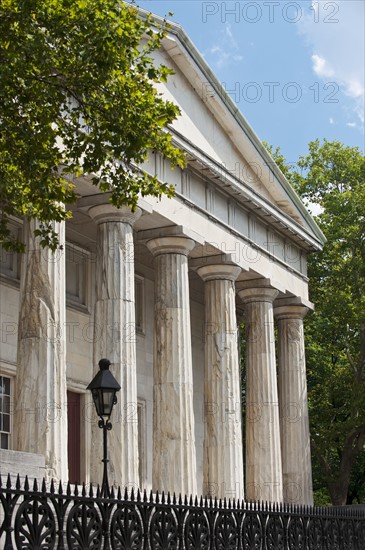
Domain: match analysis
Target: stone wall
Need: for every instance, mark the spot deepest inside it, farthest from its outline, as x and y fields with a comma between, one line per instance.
x=24, y=464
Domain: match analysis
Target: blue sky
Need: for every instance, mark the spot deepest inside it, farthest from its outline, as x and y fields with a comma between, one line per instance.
x=294, y=68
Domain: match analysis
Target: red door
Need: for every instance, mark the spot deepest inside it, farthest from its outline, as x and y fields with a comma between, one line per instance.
x=73, y=408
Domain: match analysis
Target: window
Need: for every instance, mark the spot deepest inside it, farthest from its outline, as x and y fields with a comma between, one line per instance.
x=10, y=261
x=76, y=276
x=5, y=425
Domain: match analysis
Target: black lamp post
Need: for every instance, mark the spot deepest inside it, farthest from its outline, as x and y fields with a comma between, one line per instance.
x=103, y=389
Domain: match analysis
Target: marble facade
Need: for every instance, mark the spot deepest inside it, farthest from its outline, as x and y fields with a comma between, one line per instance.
x=161, y=293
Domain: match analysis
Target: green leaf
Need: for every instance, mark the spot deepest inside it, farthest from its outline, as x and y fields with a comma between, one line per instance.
x=73, y=73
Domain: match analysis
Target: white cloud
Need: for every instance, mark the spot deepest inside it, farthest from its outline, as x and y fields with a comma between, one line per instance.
x=351, y=124
x=225, y=51
x=331, y=120
x=355, y=88
x=334, y=32
x=321, y=67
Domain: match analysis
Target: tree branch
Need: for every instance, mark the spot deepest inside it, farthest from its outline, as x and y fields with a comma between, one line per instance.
x=324, y=463
x=351, y=448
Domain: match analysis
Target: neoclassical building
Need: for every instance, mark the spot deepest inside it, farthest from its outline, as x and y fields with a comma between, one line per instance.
x=161, y=293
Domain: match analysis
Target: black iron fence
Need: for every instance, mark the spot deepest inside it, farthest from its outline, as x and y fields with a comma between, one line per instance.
x=46, y=517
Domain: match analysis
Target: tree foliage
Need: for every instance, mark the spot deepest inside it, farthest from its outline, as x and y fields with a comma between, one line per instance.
x=286, y=168
x=332, y=177
x=78, y=96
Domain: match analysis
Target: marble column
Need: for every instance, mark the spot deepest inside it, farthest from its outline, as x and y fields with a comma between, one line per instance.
x=263, y=452
x=293, y=405
x=115, y=339
x=174, y=457
x=41, y=391
x=223, y=458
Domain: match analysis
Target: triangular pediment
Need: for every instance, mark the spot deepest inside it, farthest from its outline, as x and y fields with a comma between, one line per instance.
x=220, y=142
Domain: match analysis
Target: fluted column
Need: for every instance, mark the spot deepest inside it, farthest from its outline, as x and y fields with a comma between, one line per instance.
x=174, y=457
x=293, y=405
x=40, y=394
x=115, y=339
x=223, y=459
x=263, y=453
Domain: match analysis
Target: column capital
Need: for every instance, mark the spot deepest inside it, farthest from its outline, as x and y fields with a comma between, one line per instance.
x=292, y=307
x=170, y=245
x=257, y=293
x=290, y=312
x=103, y=213
x=169, y=231
x=213, y=272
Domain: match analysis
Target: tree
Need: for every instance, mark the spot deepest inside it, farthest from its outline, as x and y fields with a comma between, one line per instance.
x=78, y=96
x=286, y=168
x=332, y=176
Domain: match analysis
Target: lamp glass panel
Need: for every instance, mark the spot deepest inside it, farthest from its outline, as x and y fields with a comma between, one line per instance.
x=98, y=401
x=108, y=402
